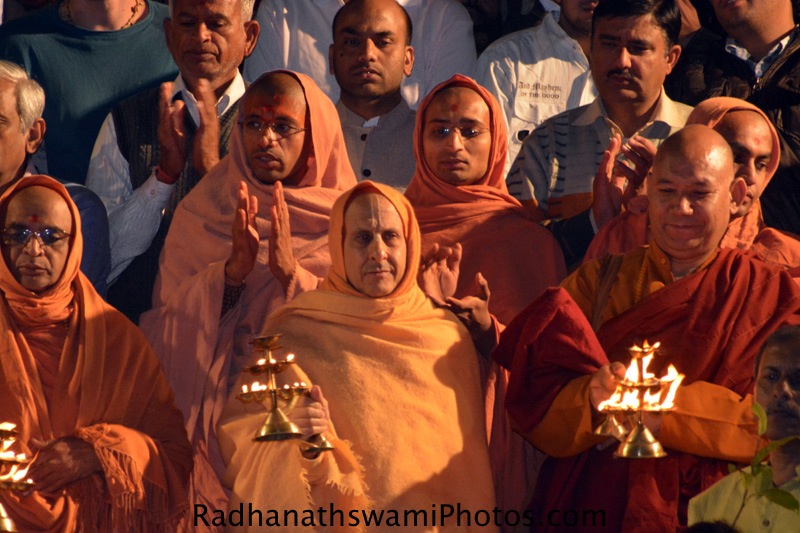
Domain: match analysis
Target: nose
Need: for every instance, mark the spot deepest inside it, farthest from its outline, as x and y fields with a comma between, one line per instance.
x=268, y=137
x=454, y=140
x=748, y=172
x=622, y=59
x=367, y=51
x=683, y=206
x=34, y=246
x=203, y=33
x=784, y=388
x=377, y=250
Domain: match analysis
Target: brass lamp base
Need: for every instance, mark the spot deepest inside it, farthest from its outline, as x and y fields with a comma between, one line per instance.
x=277, y=427
x=612, y=427
x=6, y=524
x=319, y=444
x=640, y=444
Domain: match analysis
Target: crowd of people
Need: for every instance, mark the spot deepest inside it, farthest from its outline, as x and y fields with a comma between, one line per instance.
x=460, y=216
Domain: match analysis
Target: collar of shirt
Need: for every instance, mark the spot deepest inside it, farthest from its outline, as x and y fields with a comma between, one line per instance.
x=232, y=94
x=759, y=67
x=351, y=118
x=595, y=113
x=663, y=263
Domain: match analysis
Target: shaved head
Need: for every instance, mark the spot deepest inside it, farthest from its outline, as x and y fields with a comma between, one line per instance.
x=693, y=193
x=697, y=143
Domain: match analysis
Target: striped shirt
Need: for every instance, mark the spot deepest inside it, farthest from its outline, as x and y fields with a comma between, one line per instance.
x=559, y=159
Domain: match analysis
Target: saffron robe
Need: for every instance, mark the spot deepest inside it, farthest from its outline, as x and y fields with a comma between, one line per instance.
x=401, y=377
x=517, y=256
x=73, y=366
x=710, y=325
x=202, y=352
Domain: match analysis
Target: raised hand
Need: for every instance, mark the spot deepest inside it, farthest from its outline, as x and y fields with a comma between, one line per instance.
x=439, y=271
x=205, y=151
x=245, y=237
x=617, y=182
x=171, y=136
x=281, y=257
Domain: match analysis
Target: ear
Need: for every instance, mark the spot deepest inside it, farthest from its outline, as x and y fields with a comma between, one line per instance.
x=672, y=57
x=330, y=60
x=408, y=61
x=251, y=33
x=35, y=136
x=738, y=194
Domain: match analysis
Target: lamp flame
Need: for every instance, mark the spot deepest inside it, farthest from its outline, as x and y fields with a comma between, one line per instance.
x=640, y=390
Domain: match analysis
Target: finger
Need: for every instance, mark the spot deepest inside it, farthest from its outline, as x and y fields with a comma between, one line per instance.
x=457, y=251
x=178, y=110
x=644, y=147
x=483, y=287
x=463, y=305
x=617, y=369
x=164, y=97
x=252, y=211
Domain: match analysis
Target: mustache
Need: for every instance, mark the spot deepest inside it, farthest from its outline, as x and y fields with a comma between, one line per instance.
x=622, y=73
x=784, y=409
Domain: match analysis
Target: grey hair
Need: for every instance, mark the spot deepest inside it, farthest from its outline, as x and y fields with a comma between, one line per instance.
x=247, y=9
x=30, y=95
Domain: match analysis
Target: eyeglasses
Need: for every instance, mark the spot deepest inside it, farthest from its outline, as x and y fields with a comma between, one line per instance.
x=281, y=130
x=21, y=237
x=465, y=132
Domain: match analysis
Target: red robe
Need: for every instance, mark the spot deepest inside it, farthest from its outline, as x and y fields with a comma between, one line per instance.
x=710, y=325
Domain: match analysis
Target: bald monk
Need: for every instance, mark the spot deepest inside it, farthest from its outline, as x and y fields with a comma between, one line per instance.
x=229, y=259
x=756, y=154
x=710, y=308
x=396, y=388
x=81, y=384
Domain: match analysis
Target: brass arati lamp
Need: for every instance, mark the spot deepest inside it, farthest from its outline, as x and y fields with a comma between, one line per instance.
x=639, y=392
x=277, y=426
x=13, y=472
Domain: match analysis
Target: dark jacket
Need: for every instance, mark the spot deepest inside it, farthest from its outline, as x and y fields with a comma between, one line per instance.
x=705, y=69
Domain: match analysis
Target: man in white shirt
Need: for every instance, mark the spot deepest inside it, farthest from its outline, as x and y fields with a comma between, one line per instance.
x=370, y=56
x=154, y=147
x=633, y=48
x=540, y=71
x=296, y=34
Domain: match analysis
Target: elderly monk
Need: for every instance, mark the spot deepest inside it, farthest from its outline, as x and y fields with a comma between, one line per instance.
x=81, y=384
x=402, y=397
x=460, y=198
x=756, y=154
x=229, y=259
x=710, y=308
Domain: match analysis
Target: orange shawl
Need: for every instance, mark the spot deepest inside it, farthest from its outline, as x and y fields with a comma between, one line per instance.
x=199, y=350
x=631, y=230
x=401, y=377
x=518, y=257
x=108, y=390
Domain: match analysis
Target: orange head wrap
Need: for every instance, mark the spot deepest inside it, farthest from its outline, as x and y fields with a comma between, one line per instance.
x=426, y=189
x=711, y=112
x=51, y=305
x=337, y=276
